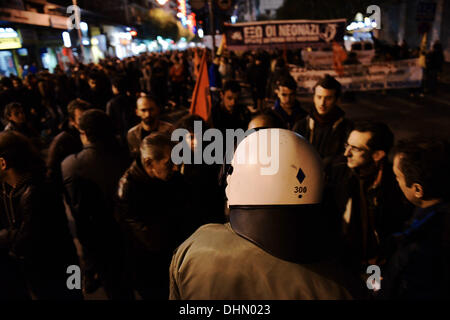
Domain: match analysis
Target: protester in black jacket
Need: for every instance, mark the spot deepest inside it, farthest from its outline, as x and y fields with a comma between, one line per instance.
x=368, y=204
x=90, y=178
x=150, y=209
x=206, y=198
x=419, y=267
x=15, y=117
x=228, y=113
x=286, y=105
x=326, y=127
x=67, y=142
x=35, y=243
x=121, y=109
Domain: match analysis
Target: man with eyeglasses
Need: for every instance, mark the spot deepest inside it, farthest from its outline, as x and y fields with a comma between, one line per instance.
x=365, y=195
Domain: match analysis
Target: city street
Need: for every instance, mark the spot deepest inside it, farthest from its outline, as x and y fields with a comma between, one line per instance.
x=93, y=97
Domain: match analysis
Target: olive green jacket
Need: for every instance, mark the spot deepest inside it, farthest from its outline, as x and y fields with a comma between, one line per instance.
x=217, y=264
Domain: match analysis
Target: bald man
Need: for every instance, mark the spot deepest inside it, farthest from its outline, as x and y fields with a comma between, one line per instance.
x=148, y=111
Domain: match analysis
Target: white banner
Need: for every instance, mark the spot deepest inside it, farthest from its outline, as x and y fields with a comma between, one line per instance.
x=318, y=59
x=376, y=76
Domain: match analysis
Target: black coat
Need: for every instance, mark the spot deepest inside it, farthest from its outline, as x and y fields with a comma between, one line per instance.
x=222, y=119
x=151, y=211
x=386, y=202
x=419, y=268
x=39, y=237
x=90, y=178
x=327, y=137
x=63, y=145
x=121, y=109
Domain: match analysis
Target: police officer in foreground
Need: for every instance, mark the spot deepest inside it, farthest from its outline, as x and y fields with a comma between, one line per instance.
x=275, y=245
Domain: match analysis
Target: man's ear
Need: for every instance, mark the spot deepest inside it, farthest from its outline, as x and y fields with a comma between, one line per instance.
x=148, y=162
x=3, y=164
x=378, y=155
x=337, y=101
x=418, y=190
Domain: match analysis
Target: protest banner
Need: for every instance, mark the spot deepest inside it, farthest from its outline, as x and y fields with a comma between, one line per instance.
x=279, y=34
x=376, y=76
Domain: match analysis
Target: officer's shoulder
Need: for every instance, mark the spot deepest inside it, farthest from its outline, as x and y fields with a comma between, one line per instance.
x=210, y=227
x=209, y=232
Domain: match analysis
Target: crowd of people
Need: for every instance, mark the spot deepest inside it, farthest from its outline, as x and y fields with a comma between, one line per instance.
x=92, y=145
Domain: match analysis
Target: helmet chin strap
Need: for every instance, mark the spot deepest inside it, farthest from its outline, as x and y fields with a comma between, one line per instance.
x=293, y=233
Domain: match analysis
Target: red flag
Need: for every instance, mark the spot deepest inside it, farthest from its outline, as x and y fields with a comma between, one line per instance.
x=201, y=98
x=339, y=55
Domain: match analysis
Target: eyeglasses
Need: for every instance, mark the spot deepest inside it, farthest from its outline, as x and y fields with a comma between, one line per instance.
x=353, y=148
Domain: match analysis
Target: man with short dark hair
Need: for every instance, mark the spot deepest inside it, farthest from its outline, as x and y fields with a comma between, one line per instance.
x=90, y=178
x=68, y=141
x=121, y=108
x=419, y=267
x=228, y=113
x=286, y=105
x=14, y=115
x=266, y=119
x=35, y=244
x=99, y=90
x=148, y=110
x=366, y=197
x=326, y=127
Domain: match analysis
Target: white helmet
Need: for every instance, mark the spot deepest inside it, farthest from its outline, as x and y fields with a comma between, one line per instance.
x=275, y=167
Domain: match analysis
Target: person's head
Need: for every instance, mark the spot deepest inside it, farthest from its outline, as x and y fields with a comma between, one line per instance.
x=94, y=80
x=421, y=166
x=280, y=64
x=155, y=151
x=188, y=122
x=258, y=59
x=147, y=109
x=223, y=60
x=96, y=127
x=119, y=85
x=14, y=112
x=6, y=83
x=285, y=91
x=326, y=94
x=437, y=46
x=75, y=110
x=368, y=144
x=16, y=154
x=17, y=82
x=230, y=94
x=266, y=119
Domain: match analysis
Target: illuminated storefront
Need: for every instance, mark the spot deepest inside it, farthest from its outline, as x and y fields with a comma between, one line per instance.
x=9, y=41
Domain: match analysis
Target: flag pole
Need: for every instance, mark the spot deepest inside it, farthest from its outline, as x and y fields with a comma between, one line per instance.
x=212, y=27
